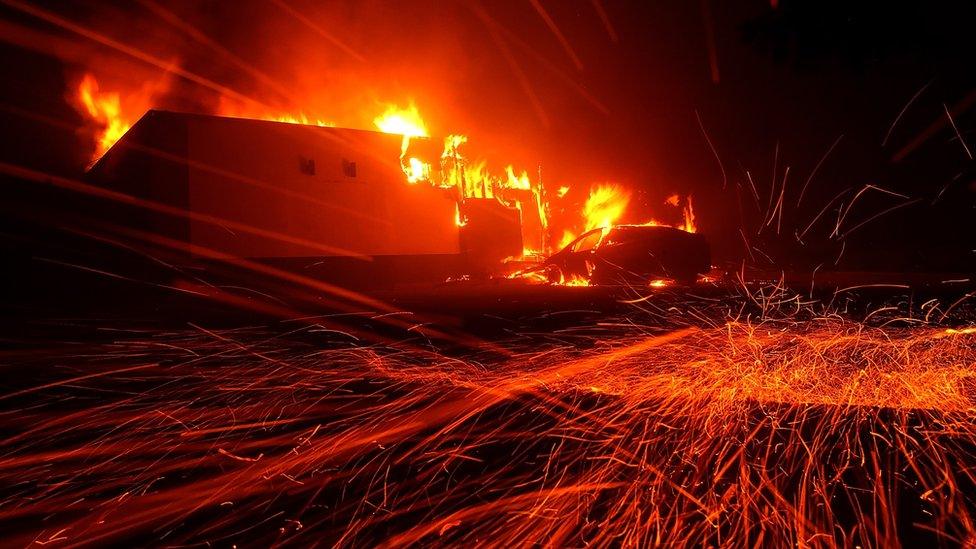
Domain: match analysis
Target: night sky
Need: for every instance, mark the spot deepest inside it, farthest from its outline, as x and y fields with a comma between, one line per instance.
x=628, y=98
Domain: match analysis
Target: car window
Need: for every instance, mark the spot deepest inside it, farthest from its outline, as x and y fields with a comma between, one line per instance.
x=588, y=242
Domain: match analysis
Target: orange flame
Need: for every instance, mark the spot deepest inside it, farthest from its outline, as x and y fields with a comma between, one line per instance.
x=111, y=113
x=605, y=205
x=406, y=122
x=517, y=182
x=689, y=215
x=105, y=108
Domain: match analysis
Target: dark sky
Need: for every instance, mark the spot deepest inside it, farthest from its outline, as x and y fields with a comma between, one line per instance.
x=625, y=99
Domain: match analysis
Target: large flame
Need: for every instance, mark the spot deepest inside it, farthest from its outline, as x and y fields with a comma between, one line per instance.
x=406, y=122
x=605, y=206
x=109, y=113
x=105, y=108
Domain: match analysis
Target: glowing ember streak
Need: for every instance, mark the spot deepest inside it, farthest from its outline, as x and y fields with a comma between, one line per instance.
x=727, y=432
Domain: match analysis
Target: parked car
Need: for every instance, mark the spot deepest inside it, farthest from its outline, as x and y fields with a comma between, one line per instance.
x=629, y=254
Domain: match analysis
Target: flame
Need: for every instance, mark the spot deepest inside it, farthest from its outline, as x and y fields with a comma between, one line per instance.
x=608, y=202
x=111, y=113
x=417, y=170
x=406, y=122
x=300, y=118
x=575, y=280
x=234, y=109
x=105, y=108
x=605, y=205
x=689, y=215
x=517, y=182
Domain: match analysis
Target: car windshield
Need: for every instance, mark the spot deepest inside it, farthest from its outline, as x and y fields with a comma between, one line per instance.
x=588, y=241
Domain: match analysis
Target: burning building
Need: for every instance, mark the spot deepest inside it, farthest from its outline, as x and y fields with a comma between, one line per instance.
x=350, y=206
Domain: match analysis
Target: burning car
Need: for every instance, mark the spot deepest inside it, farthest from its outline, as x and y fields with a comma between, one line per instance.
x=627, y=254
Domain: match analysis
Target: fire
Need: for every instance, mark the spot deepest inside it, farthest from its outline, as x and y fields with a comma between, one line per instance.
x=406, y=122
x=300, y=118
x=234, y=109
x=517, y=182
x=111, y=113
x=417, y=170
x=458, y=219
x=473, y=179
x=105, y=108
x=689, y=215
x=606, y=204
x=604, y=207
x=576, y=280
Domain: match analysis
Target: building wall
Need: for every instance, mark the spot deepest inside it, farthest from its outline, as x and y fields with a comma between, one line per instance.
x=312, y=192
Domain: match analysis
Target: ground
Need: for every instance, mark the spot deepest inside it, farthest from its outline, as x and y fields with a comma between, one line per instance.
x=687, y=416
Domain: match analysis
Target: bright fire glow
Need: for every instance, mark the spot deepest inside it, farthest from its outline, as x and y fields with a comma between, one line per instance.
x=606, y=205
x=417, y=171
x=405, y=122
x=109, y=114
x=517, y=182
x=105, y=108
x=576, y=280
x=689, y=215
